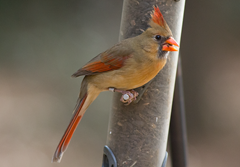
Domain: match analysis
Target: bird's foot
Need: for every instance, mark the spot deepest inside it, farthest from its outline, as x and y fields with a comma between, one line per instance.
x=128, y=96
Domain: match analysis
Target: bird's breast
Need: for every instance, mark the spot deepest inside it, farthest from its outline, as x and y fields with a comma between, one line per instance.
x=143, y=74
x=132, y=75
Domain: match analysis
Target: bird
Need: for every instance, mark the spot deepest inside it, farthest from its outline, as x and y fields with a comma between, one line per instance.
x=127, y=65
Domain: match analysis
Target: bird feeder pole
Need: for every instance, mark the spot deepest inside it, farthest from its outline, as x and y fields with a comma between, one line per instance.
x=138, y=133
x=178, y=130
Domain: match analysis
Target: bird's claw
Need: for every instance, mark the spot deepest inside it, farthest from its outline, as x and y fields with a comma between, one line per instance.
x=128, y=96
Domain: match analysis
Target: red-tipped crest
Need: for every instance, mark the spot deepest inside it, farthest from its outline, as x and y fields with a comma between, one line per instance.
x=157, y=17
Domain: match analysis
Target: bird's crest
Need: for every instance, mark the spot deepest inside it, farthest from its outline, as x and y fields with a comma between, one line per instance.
x=157, y=16
x=157, y=21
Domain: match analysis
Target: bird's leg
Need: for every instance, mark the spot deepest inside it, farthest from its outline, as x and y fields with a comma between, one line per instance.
x=142, y=91
x=127, y=95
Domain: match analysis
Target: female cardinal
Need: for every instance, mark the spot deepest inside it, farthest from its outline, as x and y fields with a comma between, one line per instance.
x=127, y=65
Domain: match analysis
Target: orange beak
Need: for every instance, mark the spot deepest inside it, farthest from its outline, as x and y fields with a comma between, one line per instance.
x=168, y=45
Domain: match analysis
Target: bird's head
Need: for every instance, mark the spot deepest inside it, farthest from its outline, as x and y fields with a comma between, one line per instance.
x=159, y=33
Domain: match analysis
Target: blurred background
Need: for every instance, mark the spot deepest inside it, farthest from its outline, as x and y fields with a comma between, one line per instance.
x=43, y=42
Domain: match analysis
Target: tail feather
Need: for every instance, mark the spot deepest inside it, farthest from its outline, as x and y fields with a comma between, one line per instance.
x=63, y=144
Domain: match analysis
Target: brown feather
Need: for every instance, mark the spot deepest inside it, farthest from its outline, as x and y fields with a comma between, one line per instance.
x=87, y=95
x=109, y=60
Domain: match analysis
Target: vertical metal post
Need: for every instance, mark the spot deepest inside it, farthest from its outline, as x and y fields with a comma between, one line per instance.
x=137, y=134
x=178, y=132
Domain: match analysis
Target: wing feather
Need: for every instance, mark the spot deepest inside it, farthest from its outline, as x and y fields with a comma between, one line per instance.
x=109, y=60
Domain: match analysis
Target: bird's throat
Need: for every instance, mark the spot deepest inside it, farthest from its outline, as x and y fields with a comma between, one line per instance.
x=162, y=54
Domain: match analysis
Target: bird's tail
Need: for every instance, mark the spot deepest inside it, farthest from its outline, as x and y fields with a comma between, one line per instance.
x=63, y=144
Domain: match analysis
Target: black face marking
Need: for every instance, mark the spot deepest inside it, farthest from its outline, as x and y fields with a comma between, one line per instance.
x=162, y=54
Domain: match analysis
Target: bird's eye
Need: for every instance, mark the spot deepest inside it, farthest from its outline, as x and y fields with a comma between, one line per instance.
x=157, y=37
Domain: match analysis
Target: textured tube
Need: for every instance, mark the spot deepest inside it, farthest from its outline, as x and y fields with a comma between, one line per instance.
x=138, y=133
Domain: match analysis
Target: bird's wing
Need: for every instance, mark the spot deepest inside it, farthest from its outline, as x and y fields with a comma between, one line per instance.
x=112, y=59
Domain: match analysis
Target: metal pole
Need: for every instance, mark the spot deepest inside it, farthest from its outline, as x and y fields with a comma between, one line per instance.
x=137, y=134
x=178, y=132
